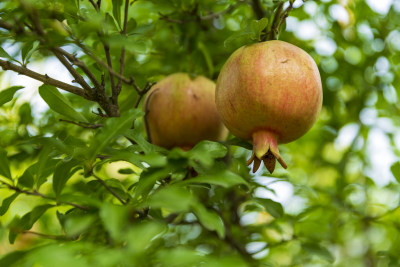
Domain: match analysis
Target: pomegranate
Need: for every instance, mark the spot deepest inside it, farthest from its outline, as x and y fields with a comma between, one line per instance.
x=269, y=93
x=181, y=112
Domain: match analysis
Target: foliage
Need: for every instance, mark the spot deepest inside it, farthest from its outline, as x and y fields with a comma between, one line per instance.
x=81, y=185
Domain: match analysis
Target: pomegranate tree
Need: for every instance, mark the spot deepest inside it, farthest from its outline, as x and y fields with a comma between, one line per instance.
x=269, y=93
x=181, y=112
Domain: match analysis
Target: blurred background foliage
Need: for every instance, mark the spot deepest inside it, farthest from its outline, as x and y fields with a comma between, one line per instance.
x=336, y=205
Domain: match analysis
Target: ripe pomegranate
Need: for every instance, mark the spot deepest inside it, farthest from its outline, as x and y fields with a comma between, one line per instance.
x=181, y=112
x=269, y=93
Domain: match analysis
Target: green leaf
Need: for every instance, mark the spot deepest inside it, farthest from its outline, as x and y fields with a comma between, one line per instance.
x=62, y=173
x=7, y=202
x=147, y=181
x=27, y=179
x=75, y=225
x=12, y=258
x=27, y=50
x=206, y=151
x=224, y=178
x=4, y=165
x=117, y=11
x=31, y=217
x=59, y=103
x=7, y=95
x=141, y=235
x=114, y=218
x=239, y=142
x=316, y=249
x=258, y=26
x=42, y=163
x=4, y=54
x=138, y=137
x=245, y=35
x=395, y=168
x=18, y=225
x=113, y=128
x=273, y=208
x=172, y=198
x=209, y=219
x=131, y=25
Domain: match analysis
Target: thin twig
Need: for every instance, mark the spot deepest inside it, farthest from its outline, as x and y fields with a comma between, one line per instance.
x=109, y=188
x=278, y=20
x=6, y=65
x=84, y=124
x=74, y=60
x=202, y=18
x=109, y=64
x=94, y=5
x=142, y=92
x=78, y=78
x=36, y=193
x=55, y=237
x=117, y=89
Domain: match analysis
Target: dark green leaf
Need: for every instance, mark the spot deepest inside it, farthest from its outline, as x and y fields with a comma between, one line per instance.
x=273, y=208
x=222, y=178
x=59, y=103
x=246, y=35
x=12, y=258
x=114, y=218
x=131, y=25
x=209, y=219
x=31, y=217
x=113, y=128
x=42, y=164
x=62, y=173
x=4, y=54
x=4, y=165
x=117, y=11
x=7, y=95
x=138, y=137
x=147, y=181
x=7, y=202
x=172, y=198
x=27, y=50
x=258, y=26
x=316, y=249
x=206, y=151
x=395, y=168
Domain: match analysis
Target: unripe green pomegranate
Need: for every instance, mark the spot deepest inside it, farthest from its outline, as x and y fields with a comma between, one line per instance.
x=269, y=93
x=181, y=112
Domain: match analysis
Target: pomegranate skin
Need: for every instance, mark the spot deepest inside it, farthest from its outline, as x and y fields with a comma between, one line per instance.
x=269, y=93
x=180, y=112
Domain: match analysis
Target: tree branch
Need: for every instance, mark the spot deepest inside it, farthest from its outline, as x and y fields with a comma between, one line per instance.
x=6, y=65
x=55, y=237
x=74, y=60
x=123, y=202
x=36, y=193
x=202, y=18
x=117, y=89
x=84, y=124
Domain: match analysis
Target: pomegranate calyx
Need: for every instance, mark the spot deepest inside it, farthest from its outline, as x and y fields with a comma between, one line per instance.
x=265, y=148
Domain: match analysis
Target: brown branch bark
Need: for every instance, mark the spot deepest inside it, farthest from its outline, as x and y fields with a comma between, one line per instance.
x=75, y=61
x=117, y=89
x=6, y=65
x=84, y=124
x=36, y=193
